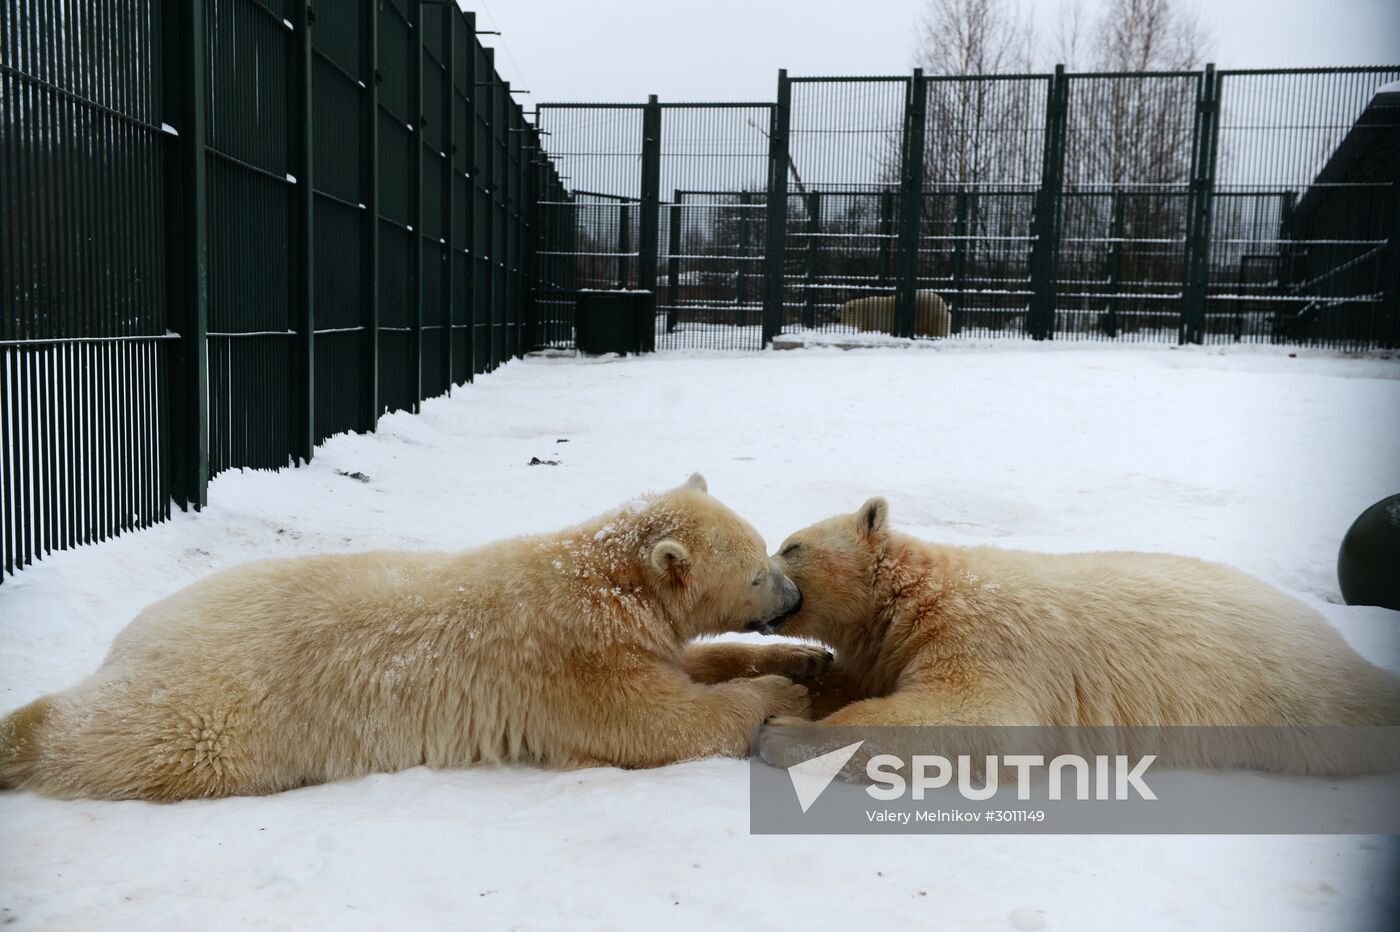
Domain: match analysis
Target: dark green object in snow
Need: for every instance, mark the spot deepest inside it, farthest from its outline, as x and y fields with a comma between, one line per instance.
x=1368, y=566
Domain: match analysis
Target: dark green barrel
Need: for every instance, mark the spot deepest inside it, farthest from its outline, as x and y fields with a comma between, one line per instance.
x=1368, y=566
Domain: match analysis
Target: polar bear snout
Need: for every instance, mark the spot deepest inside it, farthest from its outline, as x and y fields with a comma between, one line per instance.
x=788, y=599
x=792, y=597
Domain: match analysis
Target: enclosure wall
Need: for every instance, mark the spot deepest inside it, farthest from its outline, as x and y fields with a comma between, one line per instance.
x=1196, y=206
x=233, y=228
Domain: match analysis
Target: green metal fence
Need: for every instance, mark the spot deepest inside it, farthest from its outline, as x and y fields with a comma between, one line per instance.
x=1195, y=206
x=233, y=228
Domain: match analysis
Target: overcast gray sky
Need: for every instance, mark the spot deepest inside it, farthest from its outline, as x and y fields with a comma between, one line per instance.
x=732, y=49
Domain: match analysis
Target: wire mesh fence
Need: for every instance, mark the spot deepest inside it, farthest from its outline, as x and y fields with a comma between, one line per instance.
x=843, y=202
x=233, y=228
x=713, y=225
x=1126, y=191
x=1195, y=206
x=692, y=232
x=1306, y=220
x=588, y=228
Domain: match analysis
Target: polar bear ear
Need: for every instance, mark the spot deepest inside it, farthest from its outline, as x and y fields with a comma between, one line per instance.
x=873, y=518
x=697, y=482
x=671, y=558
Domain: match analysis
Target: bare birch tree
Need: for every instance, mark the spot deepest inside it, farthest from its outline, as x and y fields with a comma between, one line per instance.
x=1128, y=148
x=971, y=123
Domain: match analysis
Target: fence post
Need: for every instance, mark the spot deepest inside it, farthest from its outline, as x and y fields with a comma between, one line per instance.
x=415, y=205
x=369, y=187
x=512, y=220
x=960, y=212
x=649, y=223
x=534, y=232
x=673, y=263
x=1205, y=146
x=187, y=250
x=775, y=251
x=1040, y=316
x=911, y=198
x=487, y=171
x=301, y=278
x=814, y=227
x=500, y=193
x=450, y=13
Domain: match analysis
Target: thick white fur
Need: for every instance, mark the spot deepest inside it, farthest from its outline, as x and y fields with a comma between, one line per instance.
x=561, y=650
x=936, y=635
x=931, y=317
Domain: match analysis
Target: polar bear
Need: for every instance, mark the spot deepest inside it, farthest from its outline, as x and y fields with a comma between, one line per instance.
x=937, y=635
x=562, y=650
x=931, y=317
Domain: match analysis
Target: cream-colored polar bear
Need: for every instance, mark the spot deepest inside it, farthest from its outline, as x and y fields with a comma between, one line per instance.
x=931, y=317
x=561, y=650
x=979, y=636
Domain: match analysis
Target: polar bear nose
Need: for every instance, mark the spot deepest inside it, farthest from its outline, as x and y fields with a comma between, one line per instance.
x=790, y=594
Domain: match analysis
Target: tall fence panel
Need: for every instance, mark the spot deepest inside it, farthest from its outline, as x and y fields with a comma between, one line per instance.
x=460, y=112
x=399, y=179
x=233, y=228
x=85, y=342
x=713, y=162
x=589, y=229
x=664, y=197
x=1125, y=197
x=845, y=139
x=342, y=91
x=251, y=187
x=1305, y=229
x=984, y=157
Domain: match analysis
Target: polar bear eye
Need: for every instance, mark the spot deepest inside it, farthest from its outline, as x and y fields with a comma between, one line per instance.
x=790, y=549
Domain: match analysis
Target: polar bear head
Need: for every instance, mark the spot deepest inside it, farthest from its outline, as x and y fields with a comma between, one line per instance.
x=711, y=566
x=834, y=564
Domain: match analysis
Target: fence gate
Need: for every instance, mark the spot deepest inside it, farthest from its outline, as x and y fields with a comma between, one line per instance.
x=713, y=226
x=588, y=224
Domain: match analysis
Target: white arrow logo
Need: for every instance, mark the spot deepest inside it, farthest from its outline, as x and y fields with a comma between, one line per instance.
x=811, y=777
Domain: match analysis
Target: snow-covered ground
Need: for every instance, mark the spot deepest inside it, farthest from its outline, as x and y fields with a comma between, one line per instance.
x=1245, y=455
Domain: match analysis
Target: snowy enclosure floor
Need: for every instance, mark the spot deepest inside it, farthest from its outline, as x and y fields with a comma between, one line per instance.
x=1245, y=455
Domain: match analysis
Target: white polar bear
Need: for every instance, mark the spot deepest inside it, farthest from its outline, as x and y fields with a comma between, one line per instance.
x=561, y=650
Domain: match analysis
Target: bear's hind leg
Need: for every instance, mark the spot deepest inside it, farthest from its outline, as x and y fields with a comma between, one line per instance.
x=111, y=744
x=19, y=742
x=202, y=756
